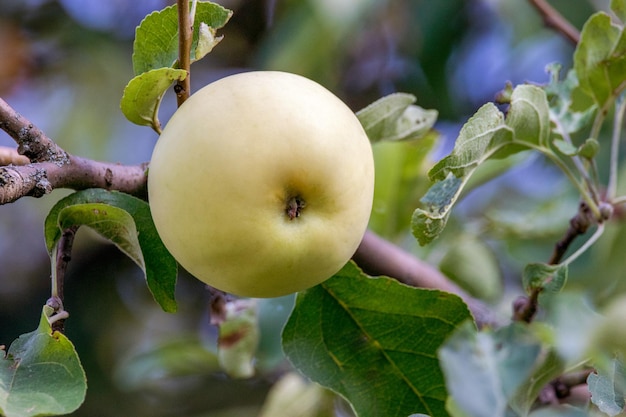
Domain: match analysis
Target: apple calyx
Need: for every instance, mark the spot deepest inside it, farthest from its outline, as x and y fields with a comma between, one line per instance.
x=294, y=207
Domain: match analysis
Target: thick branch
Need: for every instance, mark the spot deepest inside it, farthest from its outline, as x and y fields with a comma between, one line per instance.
x=31, y=141
x=552, y=18
x=55, y=168
x=377, y=256
x=183, y=88
x=36, y=180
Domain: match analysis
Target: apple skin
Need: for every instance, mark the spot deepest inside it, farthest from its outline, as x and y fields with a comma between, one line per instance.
x=261, y=184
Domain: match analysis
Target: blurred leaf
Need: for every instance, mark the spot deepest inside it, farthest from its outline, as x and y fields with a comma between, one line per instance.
x=143, y=94
x=273, y=314
x=112, y=223
x=619, y=8
x=474, y=267
x=374, y=341
x=238, y=338
x=573, y=323
x=563, y=113
x=559, y=411
x=550, y=279
x=156, y=37
x=41, y=374
x=294, y=396
x=607, y=388
x=549, y=366
x=600, y=58
x=394, y=117
x=400, y=181
x=566, y=148
x=163, y=360
x=529, y=115
x=161, y=268
x=484, y=369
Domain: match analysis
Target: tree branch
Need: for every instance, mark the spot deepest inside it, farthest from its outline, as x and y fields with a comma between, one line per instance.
x=552, y=18
x=36, y=180
x=377, y=256
x=32, y=142
x=183, y=88
x=55, y=168
x=525, y=308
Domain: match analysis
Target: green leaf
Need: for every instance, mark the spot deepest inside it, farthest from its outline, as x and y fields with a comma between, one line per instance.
x=549, y=367
x=560, y=411
x=600, y=58
x=207, y=40
x=293, y=395
x=550, y=279
x=483, y=370
x=143, y=94
x=400, y=180
x=171, y=358
x=529, y=115
x=486, y=135
x=566, y=148
x=572, y=323
x=112, y=223
x=569, y=112
x=156, y=37
x=160, y=267
x=374, y=341
x=41, y=374
x=619, y=8
x=607, y=389
x=481, y=137
x=428, y=224
x=394, y=117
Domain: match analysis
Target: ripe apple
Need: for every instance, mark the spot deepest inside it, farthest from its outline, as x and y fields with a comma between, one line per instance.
x=261, y=184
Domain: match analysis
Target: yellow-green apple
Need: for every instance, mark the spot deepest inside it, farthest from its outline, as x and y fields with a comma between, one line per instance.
x=261, y=184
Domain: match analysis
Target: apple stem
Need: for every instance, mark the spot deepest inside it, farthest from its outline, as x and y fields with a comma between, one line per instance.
x=294, y=207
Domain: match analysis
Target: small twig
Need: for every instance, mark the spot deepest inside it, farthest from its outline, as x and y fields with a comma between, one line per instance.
x=561, y=388
x=62, y=256
x=183, y=88
x=10, y=156
x=578, y=225
x=552, y=18
x=525, y=307
x=377, y=256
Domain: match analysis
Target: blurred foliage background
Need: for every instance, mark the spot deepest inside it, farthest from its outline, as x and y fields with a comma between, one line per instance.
x=64, y=64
